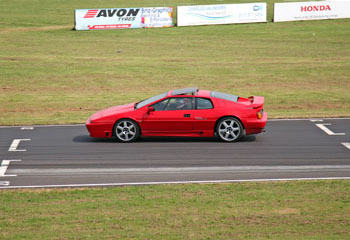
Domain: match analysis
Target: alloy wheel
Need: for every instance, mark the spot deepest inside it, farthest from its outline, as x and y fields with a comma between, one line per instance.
x=126, y=131
x=229, y=129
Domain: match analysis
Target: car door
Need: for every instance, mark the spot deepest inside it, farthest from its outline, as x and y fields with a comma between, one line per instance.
x=171, y=117
x=204, y=117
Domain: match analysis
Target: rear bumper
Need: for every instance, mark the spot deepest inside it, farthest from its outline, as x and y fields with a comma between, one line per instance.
x=254, y=125
x=99, y=130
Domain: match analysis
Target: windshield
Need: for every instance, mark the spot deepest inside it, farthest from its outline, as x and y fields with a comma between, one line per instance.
x=150, y=100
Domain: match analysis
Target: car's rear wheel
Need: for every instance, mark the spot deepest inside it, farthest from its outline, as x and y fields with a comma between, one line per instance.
x=229, y=129
x=126, y=130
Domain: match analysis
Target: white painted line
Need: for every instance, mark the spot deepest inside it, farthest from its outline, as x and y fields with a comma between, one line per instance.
x=323, y=127
x=175, y=182
x=14, y=145
x=36, y=126
x=68, y=125
x=315, y=120
x=302, y=119
x=27, y=128
x=183, y=170
x=4, y=183
x=346, y=144
x=3, y=168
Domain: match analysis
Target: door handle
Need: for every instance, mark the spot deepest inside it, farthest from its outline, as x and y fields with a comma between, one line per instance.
x=187, y=115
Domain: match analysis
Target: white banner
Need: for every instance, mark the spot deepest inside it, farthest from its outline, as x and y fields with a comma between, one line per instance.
x=299, y=11
x=221, y=14
x=108, y=18
x=157, y=17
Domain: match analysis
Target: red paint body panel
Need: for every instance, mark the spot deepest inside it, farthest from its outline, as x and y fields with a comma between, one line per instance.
x=193, y=122
x=163, y=122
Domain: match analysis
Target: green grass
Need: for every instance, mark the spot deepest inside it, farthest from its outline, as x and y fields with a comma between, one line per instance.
x=279, y=210
x=51, y=74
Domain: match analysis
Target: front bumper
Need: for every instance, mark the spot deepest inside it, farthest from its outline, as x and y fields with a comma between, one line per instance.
x=99, y=130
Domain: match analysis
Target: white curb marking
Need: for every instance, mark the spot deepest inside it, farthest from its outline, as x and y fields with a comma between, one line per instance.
x=323, y=127
x=302, y=119
x=174, y=170
x=37, y=126
x=4, y=183
x=14, y=145
x=27, y=128
x=346, y=144
x=3, y=168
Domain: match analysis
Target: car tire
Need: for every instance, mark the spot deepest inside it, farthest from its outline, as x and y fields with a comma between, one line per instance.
x=126, y=130
x=229, y=129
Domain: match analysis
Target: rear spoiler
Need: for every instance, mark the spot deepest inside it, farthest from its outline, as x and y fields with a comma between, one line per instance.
x=256, y=101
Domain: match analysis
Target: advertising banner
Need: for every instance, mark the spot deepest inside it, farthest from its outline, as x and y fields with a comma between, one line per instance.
x=108, y=18
x=300, y=11
x=221, y=14
x=157, y=17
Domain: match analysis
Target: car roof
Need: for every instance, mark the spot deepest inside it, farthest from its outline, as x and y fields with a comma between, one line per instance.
x=189, y=91
x=184, y=91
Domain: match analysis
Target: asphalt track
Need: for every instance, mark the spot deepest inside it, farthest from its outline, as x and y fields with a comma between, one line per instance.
x=65, y=156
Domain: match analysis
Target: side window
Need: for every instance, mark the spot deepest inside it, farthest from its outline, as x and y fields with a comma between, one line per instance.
x=203, y=103
x=159, y=106
x=179, y=103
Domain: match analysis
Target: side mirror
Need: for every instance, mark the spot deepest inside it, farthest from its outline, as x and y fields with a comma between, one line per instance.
x=150, y=109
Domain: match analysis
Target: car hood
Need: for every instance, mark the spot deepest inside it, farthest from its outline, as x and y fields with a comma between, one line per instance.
x=113, y=110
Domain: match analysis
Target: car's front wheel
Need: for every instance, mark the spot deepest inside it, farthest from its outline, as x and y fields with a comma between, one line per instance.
x=126, y=130
x=229, y=129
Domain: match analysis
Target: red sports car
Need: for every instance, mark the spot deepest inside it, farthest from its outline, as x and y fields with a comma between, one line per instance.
x=183, y=112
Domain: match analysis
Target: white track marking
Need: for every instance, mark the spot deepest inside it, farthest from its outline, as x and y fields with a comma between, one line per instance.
x=14, y=145
x=346, y=144
x=4, y=183
x=184, y=170
x=175, y=182
x=36, y=126
x=303, y=119
x=3, y=168
x=323, y=127
x=27, y=128
x=315, y=120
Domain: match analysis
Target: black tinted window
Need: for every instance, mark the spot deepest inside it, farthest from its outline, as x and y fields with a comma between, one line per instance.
x=225, y=96
x=203, y=103
x=179, y=103
x=160, y=106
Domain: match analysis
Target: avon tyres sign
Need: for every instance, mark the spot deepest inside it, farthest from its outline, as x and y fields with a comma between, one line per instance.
x=300, y=11
x=157, y=17
x=110, y=18
x=221, y=14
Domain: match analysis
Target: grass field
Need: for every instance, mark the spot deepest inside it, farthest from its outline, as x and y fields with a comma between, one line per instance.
x=280, y=210
x=51, y=74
